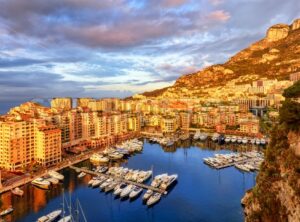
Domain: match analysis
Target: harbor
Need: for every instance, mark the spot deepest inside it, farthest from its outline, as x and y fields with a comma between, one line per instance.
x=184, y=159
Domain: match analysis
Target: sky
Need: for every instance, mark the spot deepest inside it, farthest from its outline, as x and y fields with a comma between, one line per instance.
x=116, y=48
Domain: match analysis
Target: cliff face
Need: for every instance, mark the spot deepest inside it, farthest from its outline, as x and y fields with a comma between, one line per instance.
x=276, y=196
x=275, y=56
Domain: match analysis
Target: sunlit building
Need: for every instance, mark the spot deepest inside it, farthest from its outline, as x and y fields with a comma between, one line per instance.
x=61, y=104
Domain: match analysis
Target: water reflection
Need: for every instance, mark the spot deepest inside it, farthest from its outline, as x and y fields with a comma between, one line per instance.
x=220, y=190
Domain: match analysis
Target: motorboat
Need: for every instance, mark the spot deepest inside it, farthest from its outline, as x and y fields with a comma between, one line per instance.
x=17, y=191
x=98, y=158
x=227, y=139
x=239, y=139
x=52, y=180
x=50, y=217
x=82, y=174
x=106, y=183
x=135, y=192
x=215, y=137
x=115, y=155
x=171, y=179
x=257, y=141
x=119, y=188
x=253, y=141
x=41, y=183
x=96, y=182
x=66, y=219
x=154, y=198
x=245, y=140
x=125, y=192
x=197, y=135
x=56, y=175
x=233, y=139
x=7, y=211
x=110, y=187
x=102, y=169
x=147, y=194
x=203, y=136
x=263, y=142
x=242, y=167
x=158, y=179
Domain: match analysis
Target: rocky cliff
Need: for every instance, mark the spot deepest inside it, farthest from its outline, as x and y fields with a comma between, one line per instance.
x=276, y=196
x=277, y=55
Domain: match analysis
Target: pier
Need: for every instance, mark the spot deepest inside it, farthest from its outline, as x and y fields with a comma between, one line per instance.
x=120, y=179
x=64, y=164
x=232, y=164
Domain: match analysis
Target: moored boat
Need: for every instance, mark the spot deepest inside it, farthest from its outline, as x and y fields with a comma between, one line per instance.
x=147, y=194
x=17, y=191
x=65, y=219
x=56, y=175
x=153, y=199
x=119, y=188
x=6, y=211
x=41, y=183
x=170, y=180
x=82, y=174
x=125, y=192
x=50, y=217
x=135, y=192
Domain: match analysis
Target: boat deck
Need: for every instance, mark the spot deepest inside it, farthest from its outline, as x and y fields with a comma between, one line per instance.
x=120, y=179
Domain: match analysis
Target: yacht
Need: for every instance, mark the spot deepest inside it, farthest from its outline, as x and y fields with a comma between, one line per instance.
x=233, y=139
x=52, y=180
x=147, y=194
x=158, y=179
x=115, y=156
x=227, y=139
x=215, y=137
x=203, y=136
x=17, y=191
x=119, y=188
x=50, y=217
x=110, y=187
x=102, y=169
x=125, y=192
x=252, y=141
x=82, y=174
x=98, y=158
x=106, y=183
x=263, y=142
x=257, y=141
x=239, y=139
x=96, y=182
x=245, y=140
x=7, y=211
x=242, y=167
x=66, y=219
x=56, y=175
x=41, y=183
x=171, y=179
x=197, y=135
x=135, y=192
x=153, y=199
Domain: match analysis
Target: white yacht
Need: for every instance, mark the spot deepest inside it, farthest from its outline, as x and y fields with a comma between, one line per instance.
x=252, y=141
x=203, y=136
x=215, y=137
x=96, y=182
x=239, y=139
x=197, y=135
x=135, y=192
x=52, y=180
x=98, y=158
x=7, y=211
x=56, y=175
x=126, y=191
x=82, y=174
x=147, y=194
x=153, y=199
x=171, y=179
x=50, y=217
x=41, y=183
x=242, y=167
x=263, y=141
x=17, y=191
x=110, y=187
x=115, y=156
x=119, y=188
x=257, y=141
x=245, y=140
x=66, y=219
x=227, y=139
x=106, y=183
x=233, y=139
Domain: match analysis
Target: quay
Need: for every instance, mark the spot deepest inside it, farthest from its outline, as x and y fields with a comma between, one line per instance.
x=232, y=164
x=64, y=164
x=119, y=179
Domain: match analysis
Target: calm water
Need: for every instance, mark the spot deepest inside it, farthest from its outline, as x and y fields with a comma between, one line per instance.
x=201, y=194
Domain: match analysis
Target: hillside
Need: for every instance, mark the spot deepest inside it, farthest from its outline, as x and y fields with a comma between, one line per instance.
x=277, y=55
x=276, y=196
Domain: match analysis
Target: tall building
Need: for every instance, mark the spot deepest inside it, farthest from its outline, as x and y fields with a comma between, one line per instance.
x=48, y=145
x=62, y=104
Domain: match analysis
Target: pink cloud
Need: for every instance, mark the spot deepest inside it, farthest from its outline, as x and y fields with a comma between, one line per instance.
x=219, y=15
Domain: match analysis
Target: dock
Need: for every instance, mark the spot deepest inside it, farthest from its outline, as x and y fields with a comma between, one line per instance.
x=232, y=164
x=120, y=179
x=64, y=164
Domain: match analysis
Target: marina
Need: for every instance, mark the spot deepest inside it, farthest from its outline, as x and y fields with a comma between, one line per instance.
x=183, y=158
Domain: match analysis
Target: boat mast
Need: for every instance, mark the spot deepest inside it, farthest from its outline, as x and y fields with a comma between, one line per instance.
x=63, y=203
